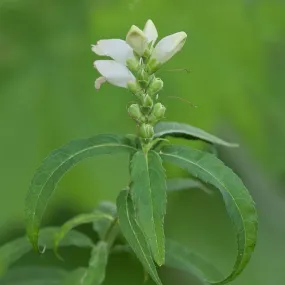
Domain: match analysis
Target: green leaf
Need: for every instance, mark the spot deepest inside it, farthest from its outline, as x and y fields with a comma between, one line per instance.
x=149, y=196
x=238, y=201
x=95, y=274
x=14, y=250
x=102, y=226
x=180, y=257
x=74, y=277
x=34, y=275
x=179, y=184
x=76, y=221
x=180, y=130
x=56, y=165
x=134, y=235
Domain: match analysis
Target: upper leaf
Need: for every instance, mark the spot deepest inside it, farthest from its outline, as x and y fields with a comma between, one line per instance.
x=56, y=165
x=180, y=257
x=179, y=184
x=14, y=250
x=238, y=201
x=76, y=221
x=34, y=275
x=149, y=196
x=95, y=273
x=180, y=130
x=134, y=235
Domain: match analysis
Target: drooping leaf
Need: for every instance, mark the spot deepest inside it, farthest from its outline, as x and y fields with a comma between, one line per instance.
x=180, y=257
x=14, y=250
x=181, y=130
x=56, y=165
x=74, y=277
x=76, y=221
x=149, y=196
x=134, y=235
x=179, y=184
x=34, y=275
x=95, y=273
x=238, y=201
x=101, y=226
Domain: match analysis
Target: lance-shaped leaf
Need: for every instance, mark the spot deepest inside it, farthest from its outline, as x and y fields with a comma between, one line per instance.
x=180, y=257
x=14, y=250
x=56, y=165
x=238, y=201
x=180, y=130
x=95, y=273
x=179, y=184
x=34, y=275
x=149, y=196
x=134, y=235
x=102, y=226
x=76, y=221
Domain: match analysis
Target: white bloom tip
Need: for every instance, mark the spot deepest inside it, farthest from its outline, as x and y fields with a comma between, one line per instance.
x=99, y=81
x=169, y=46
x=137, y=40
x=150, y=31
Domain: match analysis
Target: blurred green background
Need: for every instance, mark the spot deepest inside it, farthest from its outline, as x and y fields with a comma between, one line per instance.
x=236, y=53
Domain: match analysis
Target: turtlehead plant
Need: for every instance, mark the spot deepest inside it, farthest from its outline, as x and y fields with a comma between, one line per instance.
x=135, y=223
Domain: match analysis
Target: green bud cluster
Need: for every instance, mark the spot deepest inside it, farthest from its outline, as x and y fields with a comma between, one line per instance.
x=147, y=111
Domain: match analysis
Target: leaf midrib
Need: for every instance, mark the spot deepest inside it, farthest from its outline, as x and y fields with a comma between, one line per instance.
x=151, y=198
x=219, y=181
x=128, y=216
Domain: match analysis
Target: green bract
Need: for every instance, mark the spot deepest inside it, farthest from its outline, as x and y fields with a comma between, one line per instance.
x=139, y=213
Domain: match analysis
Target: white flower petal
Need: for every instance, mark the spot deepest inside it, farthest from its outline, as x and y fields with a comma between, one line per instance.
x=137, y=40
x=99, y=81
x=117, y=49
x=169, y=46
x=150, y=31
x=114, y=72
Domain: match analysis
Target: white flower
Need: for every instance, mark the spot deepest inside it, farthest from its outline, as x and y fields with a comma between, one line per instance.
x=163, y=51
x=139, y=39
x=117, y=49
x=113, y=72
x=122, y=52
x=168, y=47
x=150, y=32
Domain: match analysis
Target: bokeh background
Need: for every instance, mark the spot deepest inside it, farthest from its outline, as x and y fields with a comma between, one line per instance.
x=236, y=53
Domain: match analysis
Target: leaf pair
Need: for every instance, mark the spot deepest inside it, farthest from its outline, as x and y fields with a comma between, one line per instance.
x=141, y=211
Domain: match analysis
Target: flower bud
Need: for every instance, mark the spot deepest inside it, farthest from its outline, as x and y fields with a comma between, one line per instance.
x=157, y=113
x=135, y=112
x=147, y=102
x=134, y=87
x=146, y=131
x=155, y=86
x=137, y=40
x=133, y=65
x=153, y=66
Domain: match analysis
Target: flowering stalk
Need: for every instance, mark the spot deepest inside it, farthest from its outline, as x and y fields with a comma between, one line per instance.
x=147, y=111
x=135, y=62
